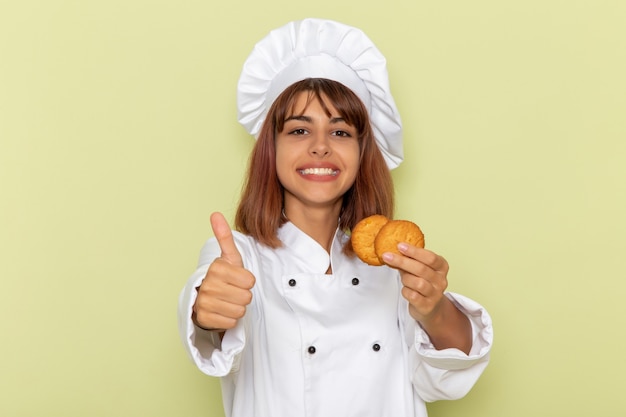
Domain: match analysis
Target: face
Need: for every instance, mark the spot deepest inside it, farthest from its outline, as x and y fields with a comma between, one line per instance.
x=317, y=156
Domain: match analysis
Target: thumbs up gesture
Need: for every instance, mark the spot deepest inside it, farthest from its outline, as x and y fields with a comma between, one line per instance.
x=226, y=289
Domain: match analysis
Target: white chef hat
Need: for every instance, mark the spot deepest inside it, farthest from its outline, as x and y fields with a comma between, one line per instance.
x=317, y=48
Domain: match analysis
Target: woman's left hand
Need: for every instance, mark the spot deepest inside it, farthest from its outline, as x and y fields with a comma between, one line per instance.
x=424, y=276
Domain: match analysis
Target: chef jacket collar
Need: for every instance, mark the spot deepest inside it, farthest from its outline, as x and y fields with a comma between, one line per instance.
x=308, y=251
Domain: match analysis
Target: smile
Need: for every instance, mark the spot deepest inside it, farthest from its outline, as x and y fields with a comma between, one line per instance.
x=318, y=171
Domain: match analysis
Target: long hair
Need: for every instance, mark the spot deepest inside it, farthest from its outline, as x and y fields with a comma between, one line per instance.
x=260, y=211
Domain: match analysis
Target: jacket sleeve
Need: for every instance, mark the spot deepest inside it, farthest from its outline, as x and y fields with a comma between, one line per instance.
x=450, y=374
x=211, y=355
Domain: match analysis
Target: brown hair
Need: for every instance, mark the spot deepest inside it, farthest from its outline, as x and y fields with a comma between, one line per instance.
x=260, y=208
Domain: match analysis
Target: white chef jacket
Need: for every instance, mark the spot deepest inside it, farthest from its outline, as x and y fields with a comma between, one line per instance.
x=318, y=345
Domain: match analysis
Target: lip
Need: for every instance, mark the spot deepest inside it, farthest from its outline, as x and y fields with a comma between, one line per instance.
x=319, y=172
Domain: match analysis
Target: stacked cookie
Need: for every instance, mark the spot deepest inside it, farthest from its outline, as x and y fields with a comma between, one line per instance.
x=375, y=235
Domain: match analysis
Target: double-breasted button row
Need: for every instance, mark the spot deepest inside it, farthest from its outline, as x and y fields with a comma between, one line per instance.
x=311, y=349
x=292, y=282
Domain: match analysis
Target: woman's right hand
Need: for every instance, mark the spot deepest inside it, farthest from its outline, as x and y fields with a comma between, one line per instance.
x=225, y=291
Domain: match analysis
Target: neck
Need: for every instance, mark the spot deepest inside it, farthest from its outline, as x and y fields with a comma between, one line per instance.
x=319, y=223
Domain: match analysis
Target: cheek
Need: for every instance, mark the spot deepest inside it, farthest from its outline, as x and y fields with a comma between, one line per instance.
x=281, y=174
x=283, y=152
x=283, y=166
x=352, y=156
x=352, y=164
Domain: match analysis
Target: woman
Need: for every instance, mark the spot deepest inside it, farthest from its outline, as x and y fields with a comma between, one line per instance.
x=281, y=309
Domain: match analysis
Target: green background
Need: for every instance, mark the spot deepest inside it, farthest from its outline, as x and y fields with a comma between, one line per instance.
x=118, y=138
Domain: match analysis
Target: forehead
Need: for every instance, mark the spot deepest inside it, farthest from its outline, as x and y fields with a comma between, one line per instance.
x=308, y=100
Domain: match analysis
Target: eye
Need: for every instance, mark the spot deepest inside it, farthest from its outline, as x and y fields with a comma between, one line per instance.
x=298, y=132
x=342, y=133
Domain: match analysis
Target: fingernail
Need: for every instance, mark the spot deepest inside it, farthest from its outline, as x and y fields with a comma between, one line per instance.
x=403, y=247
x=387, y=256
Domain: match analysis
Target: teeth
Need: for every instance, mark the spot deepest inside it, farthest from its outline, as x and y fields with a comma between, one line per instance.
x=318, y=171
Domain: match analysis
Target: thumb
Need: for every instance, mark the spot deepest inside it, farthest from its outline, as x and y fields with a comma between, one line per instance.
x=224, y=237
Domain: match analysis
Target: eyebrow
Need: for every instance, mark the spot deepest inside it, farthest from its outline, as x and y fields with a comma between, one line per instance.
x=307, y=119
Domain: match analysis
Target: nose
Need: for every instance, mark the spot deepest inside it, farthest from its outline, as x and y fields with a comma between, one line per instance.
x=320, y=146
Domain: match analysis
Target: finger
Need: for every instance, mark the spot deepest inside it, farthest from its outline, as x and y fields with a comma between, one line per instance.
x=222, y=272
x=215, y=321
x=421, y=285
x=225, y=239
x=221, y=308
x=412, y=296
x=217, y=304
x=415, y=274
x=421, y=294
x=424, y=256
x=235, y=288
x=407, y=264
